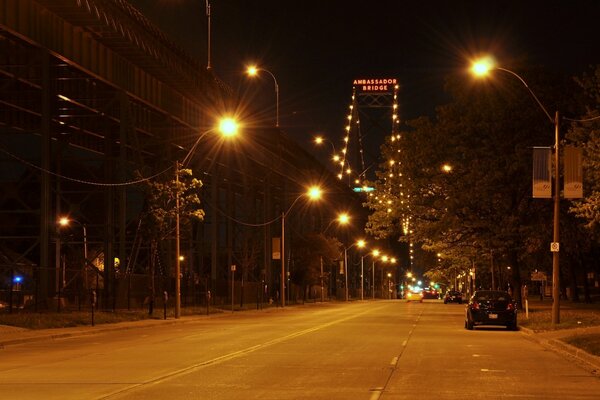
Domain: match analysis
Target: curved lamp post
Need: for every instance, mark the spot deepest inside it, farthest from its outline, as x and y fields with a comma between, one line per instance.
x=227, y=127
x=313, y=193
x=65, y=221
x=482, y=68
x=253, y=71
x=360, y=243
x=376, y=253
x=319, y=141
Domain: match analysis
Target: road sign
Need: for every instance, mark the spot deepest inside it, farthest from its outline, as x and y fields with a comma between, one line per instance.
x=554, y=247
x=538, y=276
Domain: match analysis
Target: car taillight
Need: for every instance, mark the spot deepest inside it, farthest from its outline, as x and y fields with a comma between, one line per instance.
x=510, y=307
x=475, y=305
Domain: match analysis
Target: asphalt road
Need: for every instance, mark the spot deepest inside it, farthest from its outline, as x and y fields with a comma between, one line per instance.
x=361, y=350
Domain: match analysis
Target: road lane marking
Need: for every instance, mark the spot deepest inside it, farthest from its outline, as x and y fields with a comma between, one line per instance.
x=404, y=343
x=376, y=393
x=230, y=356
x=394, y=361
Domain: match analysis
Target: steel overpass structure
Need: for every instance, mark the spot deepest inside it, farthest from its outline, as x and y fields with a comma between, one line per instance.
x=95, y=101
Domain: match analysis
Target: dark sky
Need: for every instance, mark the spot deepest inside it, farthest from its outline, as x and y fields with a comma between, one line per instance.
x=315, y=48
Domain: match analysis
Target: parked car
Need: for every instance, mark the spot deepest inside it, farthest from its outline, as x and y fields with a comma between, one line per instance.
x=453, y=296
x=431, y=293
x=415, y=294
x=491, y=307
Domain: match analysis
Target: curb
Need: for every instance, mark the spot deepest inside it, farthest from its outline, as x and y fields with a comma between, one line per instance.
x=589, y=361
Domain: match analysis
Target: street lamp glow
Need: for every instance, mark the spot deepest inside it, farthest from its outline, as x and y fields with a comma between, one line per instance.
x=318, y=140
x=447, y=168
x=375, y=253
x=343, y=218
x=361, y=243
x=482, y=66
x=228, y=127
x=252, y=70
x=314, y=193
x=64, y=221
x=384, y=258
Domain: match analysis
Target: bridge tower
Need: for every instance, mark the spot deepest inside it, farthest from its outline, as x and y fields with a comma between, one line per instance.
x=372, y=116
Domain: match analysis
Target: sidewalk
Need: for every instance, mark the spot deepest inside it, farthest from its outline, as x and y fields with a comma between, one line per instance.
x=10, y=335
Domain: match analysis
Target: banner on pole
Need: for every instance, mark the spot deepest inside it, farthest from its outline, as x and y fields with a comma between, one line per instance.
x=276, y=248
x=542, y=172
x=573, y=173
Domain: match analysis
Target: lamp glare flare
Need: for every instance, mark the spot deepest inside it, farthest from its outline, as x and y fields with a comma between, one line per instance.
x=482, y=66
x=228, y=127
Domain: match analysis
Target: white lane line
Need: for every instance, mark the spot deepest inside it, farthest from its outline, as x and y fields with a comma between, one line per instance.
x=404, y=343
x=376, y=393
x=230, y=356
x=394, y=361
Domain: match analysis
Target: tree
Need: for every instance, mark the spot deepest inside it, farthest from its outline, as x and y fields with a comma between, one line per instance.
x=460, y=183
x=160, y=211
x=587, y=136
x=309, y=251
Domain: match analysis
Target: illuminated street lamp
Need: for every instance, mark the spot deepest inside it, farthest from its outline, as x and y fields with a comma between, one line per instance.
x=65, y=221
x=313, y=193
x=375, y=254
x=227, y=127
x=320, y=139
x=359, y=243
x=253, y=71
x=482, y=68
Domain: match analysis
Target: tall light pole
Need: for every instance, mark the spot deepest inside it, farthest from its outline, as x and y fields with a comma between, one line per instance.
x=482, y=68
x=65, y=221
x=253, y=71
x=208, y=28
x=360, y=243
x=319, y=141
x=375, y=254
x=227, y=127
x=314, y=193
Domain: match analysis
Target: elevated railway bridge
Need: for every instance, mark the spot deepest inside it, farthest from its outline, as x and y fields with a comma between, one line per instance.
x=94, y=96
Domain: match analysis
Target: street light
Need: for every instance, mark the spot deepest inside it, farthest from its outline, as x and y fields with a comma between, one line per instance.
x=320, y=139
x=64, y=221
x=313, y=193
x=375, y=254
x=482, y=68
x=228, y=127
x=359, y=243
x=253, y=71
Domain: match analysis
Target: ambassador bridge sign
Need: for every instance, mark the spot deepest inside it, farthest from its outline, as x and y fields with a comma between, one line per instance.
x=376, y=85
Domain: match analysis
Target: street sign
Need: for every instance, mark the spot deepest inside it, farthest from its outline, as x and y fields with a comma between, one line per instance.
x=538, y=276
x=554, y=247
x=363, y=189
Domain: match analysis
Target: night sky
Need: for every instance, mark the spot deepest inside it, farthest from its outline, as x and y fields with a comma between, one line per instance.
x=316, y=48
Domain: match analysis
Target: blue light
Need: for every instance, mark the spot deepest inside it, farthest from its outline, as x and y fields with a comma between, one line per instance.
x=17, y=279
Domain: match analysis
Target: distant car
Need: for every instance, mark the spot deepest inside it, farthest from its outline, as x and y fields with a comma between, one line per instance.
x=453, y=296
x=431, y=293
x=491, y=307
x=415, y=294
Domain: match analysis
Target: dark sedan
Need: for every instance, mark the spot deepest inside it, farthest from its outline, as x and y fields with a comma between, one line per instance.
x=491, y=307
x=453, y=296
